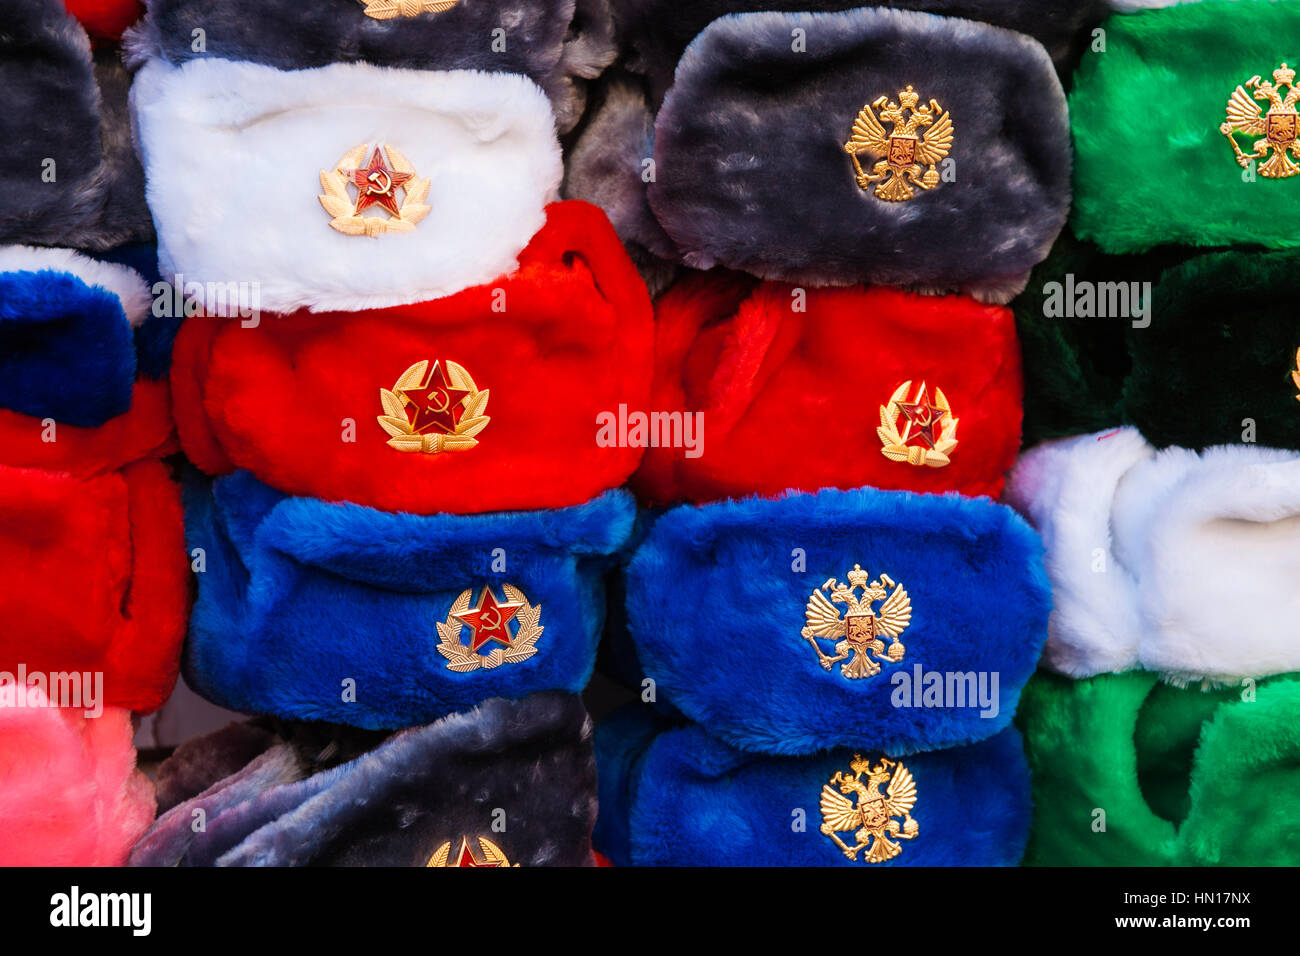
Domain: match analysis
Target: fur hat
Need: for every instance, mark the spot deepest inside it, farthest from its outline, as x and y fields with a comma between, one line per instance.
x=724, y=600
x=691, y=800
x=472, y=155
x=1181, y=563
x=558, y=44
x=806, y=389
x=105, y=20
x=529, y=364
x=336, y=612
x=1185, y=777
x=509, y=783
x=69, y=174
x=798, y=209
x=70, y=793
x=81, y=489
x=1165, y=128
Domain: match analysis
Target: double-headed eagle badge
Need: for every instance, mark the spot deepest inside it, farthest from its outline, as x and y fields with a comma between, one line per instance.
x=851, y=804
x=858, y=635
x=903, y=154
x=1276, y=128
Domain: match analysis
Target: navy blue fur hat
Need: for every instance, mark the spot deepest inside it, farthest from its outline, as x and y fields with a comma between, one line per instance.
x=331, y=611
x=683, y=798
x=841, y=619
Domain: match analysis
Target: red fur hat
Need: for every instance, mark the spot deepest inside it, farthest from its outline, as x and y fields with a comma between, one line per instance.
x=486, y=400
x=837, y=387
x=105, y=19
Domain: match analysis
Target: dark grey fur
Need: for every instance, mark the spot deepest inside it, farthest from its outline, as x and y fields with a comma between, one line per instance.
x=752, y=172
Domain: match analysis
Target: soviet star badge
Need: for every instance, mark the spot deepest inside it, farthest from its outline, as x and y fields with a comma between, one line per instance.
x=908, y=155
x=376, y=174
x=859, y=634
x=875, y=818
x=490, y=855
x=392, y=9
x=433, y=410
x=1276, y=129
x=490, y=623
x=917, y=430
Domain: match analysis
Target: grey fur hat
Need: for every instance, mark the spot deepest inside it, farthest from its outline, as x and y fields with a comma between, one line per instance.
x=559, y=44
x=69, y=175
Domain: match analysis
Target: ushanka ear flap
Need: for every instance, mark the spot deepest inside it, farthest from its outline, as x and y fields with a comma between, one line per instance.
x=70, y=176
x=844, y=618
x=70, y=793
x=1185, y=131
x=557, y=44
x=456, y=169
x=1066, y=489
x=429, y=796
x=1213, y=542
x=1218, y=363
x=752, y=367
x=964, y=806
x=483, y=401
x=321, y=611
x=890, y=147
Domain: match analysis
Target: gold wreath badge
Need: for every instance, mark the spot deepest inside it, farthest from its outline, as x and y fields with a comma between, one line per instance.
x=917, y=443
x=850, y=803
x=1277, y=129
x=489, y=622
x=492, y=855
x=1295, y=376
x=391, y=9
x=376, y=181
x=432, y=410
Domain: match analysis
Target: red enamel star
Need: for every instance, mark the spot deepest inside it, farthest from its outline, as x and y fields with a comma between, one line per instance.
x=466, y=857
x=922, y=416
x=488, y=619
x=436, y=403
x=377, y=185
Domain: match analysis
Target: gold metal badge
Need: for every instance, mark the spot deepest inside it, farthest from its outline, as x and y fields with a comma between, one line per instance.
x=902, y=155
x=928, y=432
x=434, y=410
x=392, y=9
x=377, y=174
x=489, y=622
x=1295, y=376
x=1277, y=128
x=858, y=634
x=871, y=817
x=490, y=855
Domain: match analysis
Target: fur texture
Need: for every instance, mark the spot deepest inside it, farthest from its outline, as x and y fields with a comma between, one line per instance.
x=212, y=129
x=70, y=794
x=716, y=613
x=56, y=113
x=574, y=339
x=1187, y=778
x=300, y=595
x=656, y=32
x=120, y=537
x=752, y=172
x=621, y=740
x=1066, y=488
x=1150, y=164
x=1223, y=342
x=397, y=804
x=201, y=762
x=766, y=376
x=557, y=44
x=697, y=802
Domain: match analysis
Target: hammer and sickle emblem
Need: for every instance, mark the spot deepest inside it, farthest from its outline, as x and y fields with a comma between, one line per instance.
x=438, y=401
x=491, y=619
x=376, y=178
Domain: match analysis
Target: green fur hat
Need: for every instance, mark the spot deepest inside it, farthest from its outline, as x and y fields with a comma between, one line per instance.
x=1129, y=771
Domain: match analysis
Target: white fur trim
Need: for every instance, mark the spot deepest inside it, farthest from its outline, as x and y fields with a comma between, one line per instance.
x=1065, y=489
x=122, y=281
x=233, y=153
x=1215, y=539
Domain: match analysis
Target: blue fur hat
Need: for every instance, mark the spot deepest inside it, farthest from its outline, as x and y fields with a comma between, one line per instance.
x=841, y=619
x=332, y=611
x=683, y=798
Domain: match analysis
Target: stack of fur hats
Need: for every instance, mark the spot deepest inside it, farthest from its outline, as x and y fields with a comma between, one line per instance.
x=397, y=345
x=830, y=617
x=1162, y=391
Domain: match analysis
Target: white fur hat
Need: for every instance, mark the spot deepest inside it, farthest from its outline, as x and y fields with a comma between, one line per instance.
x=1177, y=562
x=249, y=180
